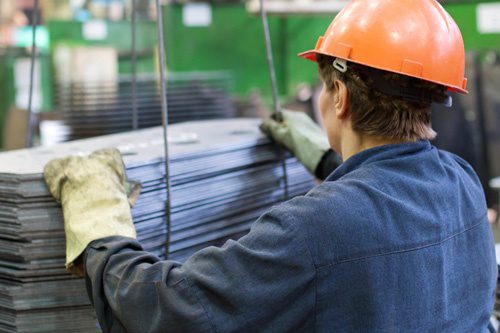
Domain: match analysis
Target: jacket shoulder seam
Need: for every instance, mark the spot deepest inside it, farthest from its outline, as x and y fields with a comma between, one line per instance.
x=416, y=248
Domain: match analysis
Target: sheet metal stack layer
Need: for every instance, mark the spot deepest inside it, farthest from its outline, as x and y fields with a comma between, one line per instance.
x=99, y=109
x=224, y=174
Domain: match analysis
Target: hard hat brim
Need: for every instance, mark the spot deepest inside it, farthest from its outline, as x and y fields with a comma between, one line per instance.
x=309, y=55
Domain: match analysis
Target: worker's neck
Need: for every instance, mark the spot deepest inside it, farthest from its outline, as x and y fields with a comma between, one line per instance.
x=353, y=143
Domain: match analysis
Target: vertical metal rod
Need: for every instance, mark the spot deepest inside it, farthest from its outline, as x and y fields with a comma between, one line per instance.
x=269, y=54
x=272, y=73
x=34, y=22
x=163, y=93
x=135, y=118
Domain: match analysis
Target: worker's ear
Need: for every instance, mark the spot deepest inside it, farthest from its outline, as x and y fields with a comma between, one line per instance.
x=341, y=100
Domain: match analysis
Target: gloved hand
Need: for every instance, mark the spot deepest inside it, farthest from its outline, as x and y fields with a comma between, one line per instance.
x=301, y=135
x=93, y=194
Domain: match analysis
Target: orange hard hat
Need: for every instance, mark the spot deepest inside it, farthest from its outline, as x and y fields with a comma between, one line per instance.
x=417, y=38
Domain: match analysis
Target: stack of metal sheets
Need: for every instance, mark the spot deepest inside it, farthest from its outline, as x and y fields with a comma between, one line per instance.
x=224, y=174
x=90, y=109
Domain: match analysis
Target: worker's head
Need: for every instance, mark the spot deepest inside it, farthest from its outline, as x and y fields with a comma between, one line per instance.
x=351, y=96
x=384, y=62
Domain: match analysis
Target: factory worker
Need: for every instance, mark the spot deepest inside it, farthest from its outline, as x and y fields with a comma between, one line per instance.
x=396, y=239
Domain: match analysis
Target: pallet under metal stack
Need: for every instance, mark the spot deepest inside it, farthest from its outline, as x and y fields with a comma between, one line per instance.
x=224, y=174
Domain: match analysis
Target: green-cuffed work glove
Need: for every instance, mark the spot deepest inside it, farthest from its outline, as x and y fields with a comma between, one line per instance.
x=307, y=141
x=93, y=193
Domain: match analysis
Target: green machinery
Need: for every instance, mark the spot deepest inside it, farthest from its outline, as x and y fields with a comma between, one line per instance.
x=70, y=33
x=10, y=85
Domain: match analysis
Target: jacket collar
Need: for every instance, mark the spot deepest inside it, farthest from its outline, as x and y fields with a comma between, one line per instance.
x=376, y=154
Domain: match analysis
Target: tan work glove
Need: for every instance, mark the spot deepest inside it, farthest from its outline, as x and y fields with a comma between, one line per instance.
x=93, y=194
x=307, y=141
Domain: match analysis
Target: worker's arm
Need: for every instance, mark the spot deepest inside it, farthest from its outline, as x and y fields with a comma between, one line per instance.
x=263, y=282
x=306, y=140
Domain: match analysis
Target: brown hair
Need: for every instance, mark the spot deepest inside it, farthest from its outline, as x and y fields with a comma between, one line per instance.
x=378, y=114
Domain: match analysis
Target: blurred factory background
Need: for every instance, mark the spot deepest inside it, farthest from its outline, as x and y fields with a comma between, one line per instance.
x=85, y=57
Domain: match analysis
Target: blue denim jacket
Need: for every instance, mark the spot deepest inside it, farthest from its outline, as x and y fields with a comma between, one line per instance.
x=395, y=240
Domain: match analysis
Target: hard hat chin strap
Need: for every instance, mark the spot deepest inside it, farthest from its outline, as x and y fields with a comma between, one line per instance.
x=408, y=93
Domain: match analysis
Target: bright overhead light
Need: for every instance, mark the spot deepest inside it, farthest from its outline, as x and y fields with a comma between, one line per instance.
x=298, y=6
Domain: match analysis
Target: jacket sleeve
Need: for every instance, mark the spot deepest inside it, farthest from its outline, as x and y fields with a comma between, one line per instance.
x=264, y=281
